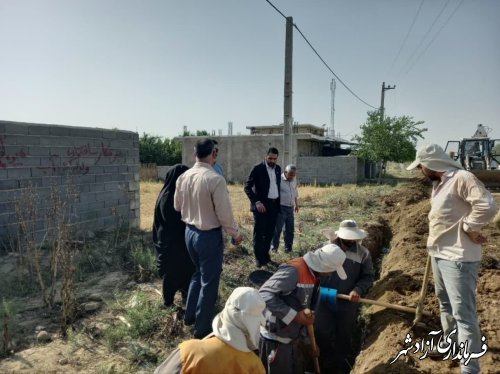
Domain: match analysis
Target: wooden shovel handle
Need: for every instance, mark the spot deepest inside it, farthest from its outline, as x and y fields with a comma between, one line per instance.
x=312, y=338
x=382, y=303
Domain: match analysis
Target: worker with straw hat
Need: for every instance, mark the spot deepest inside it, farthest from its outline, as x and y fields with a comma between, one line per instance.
x=336, y=319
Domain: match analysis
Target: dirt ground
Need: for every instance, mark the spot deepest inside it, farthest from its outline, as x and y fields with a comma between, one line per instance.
x=401, y=273
x=400, y=283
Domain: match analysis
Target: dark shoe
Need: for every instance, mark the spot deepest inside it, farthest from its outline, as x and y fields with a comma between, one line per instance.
x=435, y=355
x=273, y=264
x=188, y=323
x=258, y=264
x=274, y=249
x=288, y=250
x=202, y=335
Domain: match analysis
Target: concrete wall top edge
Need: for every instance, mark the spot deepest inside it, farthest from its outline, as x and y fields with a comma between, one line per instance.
x=16, y=123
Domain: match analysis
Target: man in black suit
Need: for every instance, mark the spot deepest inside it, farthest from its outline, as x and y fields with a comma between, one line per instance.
x=263, y=189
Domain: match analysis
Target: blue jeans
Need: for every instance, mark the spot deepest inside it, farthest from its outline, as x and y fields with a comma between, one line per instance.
x=455, y=284
x=286, y=218
x=206, y=250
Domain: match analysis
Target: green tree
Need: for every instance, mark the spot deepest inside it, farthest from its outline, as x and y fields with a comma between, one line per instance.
x=198, y=133
x=393, y=139
x=155, y=149
x=173, y=151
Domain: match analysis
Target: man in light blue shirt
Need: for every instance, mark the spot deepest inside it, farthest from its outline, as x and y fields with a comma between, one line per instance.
x=289, y=195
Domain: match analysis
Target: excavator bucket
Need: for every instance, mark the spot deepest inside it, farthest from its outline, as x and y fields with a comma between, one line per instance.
x=490, y=178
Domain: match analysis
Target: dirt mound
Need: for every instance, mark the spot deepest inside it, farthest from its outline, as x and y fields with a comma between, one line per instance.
x=400, y=281
x=379, y=236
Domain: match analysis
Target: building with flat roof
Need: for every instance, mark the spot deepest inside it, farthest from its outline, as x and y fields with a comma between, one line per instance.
x=319, y=159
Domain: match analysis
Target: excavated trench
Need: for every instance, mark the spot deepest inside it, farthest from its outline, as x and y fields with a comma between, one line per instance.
x=377, y=242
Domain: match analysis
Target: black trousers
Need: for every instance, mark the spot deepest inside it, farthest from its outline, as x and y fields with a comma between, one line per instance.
x=280, y=358
x=176, y=268
x=334, y=330
x=263, y=230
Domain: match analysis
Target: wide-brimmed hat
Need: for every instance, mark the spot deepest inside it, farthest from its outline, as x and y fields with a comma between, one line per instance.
x=239, y=322
x=327, y=259
x=434, y=158
x=349, y=230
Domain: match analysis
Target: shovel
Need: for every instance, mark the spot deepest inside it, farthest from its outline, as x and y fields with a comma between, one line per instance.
x=312, y=338
x=330, y=295
x=420, y=306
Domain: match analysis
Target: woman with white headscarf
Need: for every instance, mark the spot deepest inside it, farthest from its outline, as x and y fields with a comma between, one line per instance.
x=229, y=349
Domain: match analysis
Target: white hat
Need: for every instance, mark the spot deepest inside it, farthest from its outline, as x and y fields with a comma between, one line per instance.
x=348, y=230
x=434, y=158
x=239, y=322
x=327, y=259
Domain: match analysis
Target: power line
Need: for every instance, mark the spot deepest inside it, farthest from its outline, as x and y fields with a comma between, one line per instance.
x=435, y=35
x=279, y=11
x=321, y=58
x=425, y=36
x=407, y=35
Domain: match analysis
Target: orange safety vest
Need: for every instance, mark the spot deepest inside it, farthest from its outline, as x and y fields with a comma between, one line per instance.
x=213, y=356
x=306, y=281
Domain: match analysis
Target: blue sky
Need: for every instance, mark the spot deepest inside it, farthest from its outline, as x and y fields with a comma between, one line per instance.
x=156, y=66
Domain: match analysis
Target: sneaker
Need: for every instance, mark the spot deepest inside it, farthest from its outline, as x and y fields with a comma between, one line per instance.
x=274, y=249
x=288, y=250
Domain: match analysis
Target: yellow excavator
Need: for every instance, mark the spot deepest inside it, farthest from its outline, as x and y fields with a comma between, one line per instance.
x=479, y=154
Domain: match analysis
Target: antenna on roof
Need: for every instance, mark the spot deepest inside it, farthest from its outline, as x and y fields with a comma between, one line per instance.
x=331, y=130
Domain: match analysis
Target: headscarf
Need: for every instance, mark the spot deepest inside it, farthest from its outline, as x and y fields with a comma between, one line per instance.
x=239, y=322
x=165, y=215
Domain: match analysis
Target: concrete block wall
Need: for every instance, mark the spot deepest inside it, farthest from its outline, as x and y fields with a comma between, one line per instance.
x=100, y=166
x=238, y=154
x=162, y=171
x=329, y=170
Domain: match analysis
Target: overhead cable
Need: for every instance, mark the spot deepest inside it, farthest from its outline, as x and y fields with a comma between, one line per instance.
x=322, y=60
x=424, y=37
x=407, y=35
x=435, y=36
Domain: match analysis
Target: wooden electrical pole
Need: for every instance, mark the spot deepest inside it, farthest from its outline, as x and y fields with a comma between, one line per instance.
x=287, y=107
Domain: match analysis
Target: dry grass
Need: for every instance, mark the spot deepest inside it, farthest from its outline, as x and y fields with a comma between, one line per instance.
x=149, y=193
x=239, y=201
x=319, y=207
x=148, y=172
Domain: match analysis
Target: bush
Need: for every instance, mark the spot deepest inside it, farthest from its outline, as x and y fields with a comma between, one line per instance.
x=160, y=151
x=142, y=319
x=144, y=260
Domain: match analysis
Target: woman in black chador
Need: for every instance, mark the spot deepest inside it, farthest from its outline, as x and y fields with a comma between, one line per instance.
x=174, y=264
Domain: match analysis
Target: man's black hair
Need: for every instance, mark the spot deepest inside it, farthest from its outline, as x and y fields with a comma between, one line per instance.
x=273, y=150
x=204, y=147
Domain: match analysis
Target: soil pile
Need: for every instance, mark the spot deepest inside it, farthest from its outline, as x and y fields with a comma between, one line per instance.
x=400, y=281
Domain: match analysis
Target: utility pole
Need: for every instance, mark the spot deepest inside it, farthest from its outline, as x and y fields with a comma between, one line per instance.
x=384, y=88
x=333, y=86
x=287, y=107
